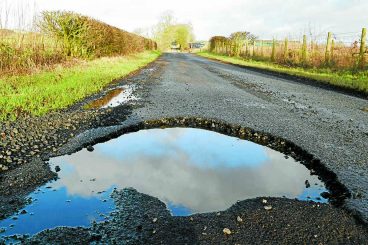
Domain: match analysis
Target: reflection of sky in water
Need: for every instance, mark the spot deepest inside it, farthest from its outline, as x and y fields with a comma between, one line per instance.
x=191, y=170
x=203, y=148
x=51, y=208
x=123, y=97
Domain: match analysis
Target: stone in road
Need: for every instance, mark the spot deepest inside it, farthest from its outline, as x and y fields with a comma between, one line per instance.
x=328, y=124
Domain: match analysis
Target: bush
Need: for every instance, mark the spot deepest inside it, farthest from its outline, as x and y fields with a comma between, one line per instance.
x=62, y=37
x=83, y=36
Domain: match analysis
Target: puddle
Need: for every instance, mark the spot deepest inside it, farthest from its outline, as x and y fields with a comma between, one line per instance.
x=51, y=207
x=114, y=97
x=191, y=170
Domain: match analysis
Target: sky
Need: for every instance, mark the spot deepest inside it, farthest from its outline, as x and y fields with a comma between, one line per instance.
x=264, y=18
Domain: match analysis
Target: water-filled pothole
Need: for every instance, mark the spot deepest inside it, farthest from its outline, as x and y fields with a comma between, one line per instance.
x=191, y=170
x=114, y=97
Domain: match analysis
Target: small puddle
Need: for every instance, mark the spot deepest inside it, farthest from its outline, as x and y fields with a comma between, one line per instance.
x=114, y=97
x=191, y=170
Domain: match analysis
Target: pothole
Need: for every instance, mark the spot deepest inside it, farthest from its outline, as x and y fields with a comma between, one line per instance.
x=191, y=170
x=114, y=97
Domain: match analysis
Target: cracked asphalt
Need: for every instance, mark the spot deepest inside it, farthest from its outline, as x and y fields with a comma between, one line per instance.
x=330, y=125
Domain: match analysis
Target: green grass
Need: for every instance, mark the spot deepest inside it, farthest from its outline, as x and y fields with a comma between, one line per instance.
x=46, y=91
x=345, y=79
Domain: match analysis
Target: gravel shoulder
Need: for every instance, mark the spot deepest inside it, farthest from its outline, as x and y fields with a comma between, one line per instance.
x=330, y=126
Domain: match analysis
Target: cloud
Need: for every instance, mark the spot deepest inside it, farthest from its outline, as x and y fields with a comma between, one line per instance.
x=177, y=178
x=265, y=18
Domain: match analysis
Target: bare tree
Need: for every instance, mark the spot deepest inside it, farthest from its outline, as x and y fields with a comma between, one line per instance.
x=19, y=14
x=5, y=9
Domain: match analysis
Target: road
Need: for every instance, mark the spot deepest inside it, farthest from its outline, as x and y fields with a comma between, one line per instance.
x=328, y=124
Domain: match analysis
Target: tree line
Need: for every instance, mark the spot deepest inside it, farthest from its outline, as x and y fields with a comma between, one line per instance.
x=169, y=31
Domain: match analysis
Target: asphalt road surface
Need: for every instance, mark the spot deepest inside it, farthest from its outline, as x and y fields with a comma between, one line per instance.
x=330, y=125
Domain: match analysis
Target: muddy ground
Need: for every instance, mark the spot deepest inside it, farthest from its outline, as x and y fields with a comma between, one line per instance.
x=327, y=130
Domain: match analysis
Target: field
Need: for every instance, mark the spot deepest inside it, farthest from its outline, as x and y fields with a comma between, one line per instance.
x=339, y=59
x=337, y=51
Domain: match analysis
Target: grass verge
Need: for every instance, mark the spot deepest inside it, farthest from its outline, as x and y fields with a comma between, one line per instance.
x=343, y=79
x=37, y=94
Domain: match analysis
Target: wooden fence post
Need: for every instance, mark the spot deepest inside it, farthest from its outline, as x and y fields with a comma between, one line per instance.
x=328, y=48
x=332, y=50
x=286, y=49
x=362, y=48
x=304, y=50
x=273, y=50
x=261, y=48
x=246, y=48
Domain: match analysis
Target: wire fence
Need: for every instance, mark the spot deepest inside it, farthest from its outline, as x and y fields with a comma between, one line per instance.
x=334, y=50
